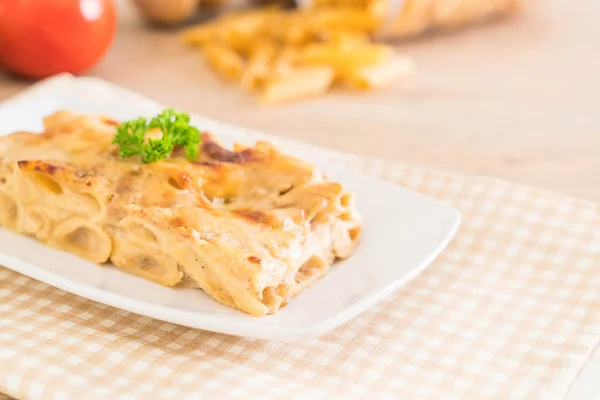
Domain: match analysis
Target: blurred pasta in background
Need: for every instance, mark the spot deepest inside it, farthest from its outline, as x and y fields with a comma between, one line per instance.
x=285, y=52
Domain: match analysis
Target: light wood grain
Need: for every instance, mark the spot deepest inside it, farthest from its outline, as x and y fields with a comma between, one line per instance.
x=518, y=99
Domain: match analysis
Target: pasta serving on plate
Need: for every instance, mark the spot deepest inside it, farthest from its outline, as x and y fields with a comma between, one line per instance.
x=251, y=226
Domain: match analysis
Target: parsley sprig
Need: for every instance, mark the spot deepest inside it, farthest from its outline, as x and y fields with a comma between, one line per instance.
x=176, y=131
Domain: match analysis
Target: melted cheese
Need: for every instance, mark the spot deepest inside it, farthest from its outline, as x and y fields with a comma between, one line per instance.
x=251, y=227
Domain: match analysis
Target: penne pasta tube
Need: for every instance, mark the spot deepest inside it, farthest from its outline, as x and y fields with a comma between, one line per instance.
x=344, y=59
x=259, y=66
x=226, y=62
x=10, y=211
x=79, y=236
x=300, y=83
x=380, y=75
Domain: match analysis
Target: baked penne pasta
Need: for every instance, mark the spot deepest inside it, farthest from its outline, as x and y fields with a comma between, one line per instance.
x=252, y=227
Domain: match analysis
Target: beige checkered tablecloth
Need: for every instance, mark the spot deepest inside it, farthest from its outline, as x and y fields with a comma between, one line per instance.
x=510, y=310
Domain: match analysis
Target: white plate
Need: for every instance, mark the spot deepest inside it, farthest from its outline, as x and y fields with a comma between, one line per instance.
x=403, y=233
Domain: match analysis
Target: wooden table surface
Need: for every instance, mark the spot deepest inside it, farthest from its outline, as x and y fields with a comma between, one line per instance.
x=518, y=99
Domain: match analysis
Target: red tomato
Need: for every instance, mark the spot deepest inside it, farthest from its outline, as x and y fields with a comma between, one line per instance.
x=39, y=38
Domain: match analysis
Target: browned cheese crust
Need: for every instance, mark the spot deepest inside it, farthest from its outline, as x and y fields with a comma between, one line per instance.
x=251, y=226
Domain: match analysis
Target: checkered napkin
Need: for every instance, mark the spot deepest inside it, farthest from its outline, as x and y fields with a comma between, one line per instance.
x=510, y=310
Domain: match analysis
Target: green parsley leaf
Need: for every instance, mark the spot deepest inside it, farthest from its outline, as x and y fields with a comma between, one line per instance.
x=130, y=137
x=192, y=146
x=176, y=132
x=156, y=149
